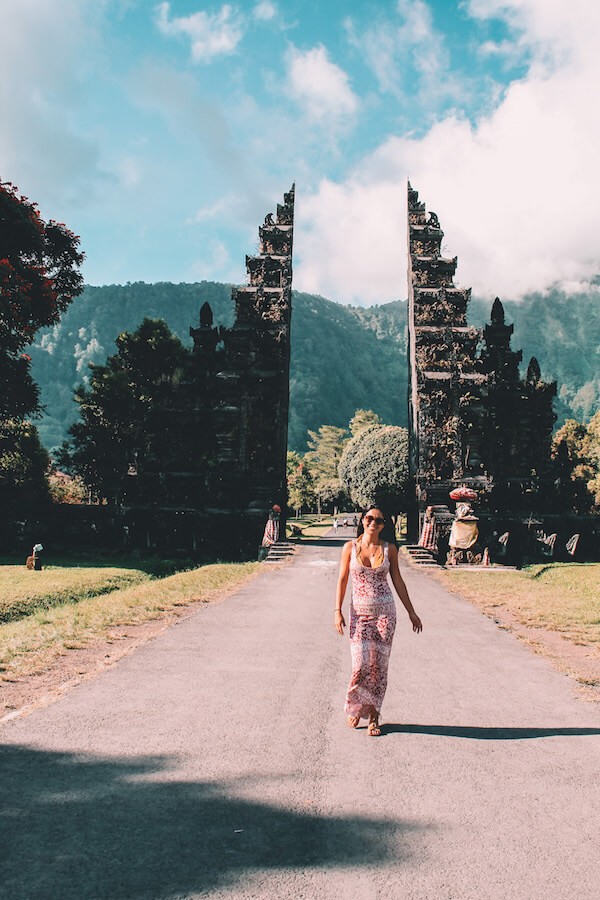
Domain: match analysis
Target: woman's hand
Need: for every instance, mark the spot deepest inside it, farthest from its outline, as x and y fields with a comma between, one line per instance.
x=338, y=621
x=416, y=622
x=340, y=593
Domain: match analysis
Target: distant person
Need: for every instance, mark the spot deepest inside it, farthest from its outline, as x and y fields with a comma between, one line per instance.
x=35, y=560
x=345, y=523
x=335, y=524
x=271, y=532
x=367, y=560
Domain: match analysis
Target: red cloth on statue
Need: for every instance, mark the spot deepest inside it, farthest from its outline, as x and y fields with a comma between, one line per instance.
x=429, y=536
x=271, y=535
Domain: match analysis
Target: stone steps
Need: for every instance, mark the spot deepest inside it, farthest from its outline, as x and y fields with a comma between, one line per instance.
x=279, y=552
x=420, y=556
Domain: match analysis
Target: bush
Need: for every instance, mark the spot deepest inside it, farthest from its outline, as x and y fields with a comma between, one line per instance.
x=374, y=467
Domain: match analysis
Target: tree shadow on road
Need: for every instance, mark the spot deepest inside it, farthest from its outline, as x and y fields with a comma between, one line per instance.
x=79, y=826
x=322, y=541
x=486, y=734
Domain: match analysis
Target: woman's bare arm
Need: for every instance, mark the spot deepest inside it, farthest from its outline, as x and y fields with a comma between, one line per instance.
x=338, y=617
x=400, y=587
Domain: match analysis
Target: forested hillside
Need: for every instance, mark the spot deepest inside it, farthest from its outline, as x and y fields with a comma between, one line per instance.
x=343, y=358
x=86, y=334
x=341, y=364
x=563, y=332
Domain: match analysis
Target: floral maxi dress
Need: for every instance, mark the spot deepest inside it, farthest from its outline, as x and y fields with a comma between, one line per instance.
x=372, y=626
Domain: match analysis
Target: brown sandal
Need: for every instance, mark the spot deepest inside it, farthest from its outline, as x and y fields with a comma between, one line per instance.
x=352, y=721
x=373, y=728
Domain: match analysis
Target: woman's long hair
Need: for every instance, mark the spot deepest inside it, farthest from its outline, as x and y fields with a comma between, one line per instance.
x=387, y=533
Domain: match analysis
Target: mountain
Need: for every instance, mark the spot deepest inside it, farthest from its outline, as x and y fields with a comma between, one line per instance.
x=343, y=357
x=341, y=363
x=563, y=332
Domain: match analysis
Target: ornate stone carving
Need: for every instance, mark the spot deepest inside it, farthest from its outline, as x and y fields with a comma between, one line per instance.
x=471, y=414
x=221, y=431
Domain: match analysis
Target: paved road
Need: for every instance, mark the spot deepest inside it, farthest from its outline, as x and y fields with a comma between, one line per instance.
x=214, y=762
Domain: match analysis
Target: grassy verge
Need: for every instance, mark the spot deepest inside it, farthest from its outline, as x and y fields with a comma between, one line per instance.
x=151, y=565
x=561, y=597
x=31, y=644
x=22, y=591
x=310, y=526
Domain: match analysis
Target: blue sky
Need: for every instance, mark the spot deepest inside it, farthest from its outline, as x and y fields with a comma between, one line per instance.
x=163, y=132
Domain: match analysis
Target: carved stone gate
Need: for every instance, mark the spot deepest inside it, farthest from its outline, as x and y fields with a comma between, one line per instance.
x=214, y=463
x=472, y=420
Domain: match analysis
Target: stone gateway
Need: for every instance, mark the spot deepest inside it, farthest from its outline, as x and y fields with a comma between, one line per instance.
x=473, y=421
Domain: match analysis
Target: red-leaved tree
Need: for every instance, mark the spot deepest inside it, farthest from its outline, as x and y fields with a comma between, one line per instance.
x=39, y=277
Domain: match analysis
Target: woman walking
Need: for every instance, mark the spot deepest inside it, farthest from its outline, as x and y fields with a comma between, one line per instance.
x=368, y=560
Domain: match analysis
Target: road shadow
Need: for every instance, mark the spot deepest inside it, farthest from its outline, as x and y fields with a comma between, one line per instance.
x=78, y=826
x=486, y=734
x=321, y=541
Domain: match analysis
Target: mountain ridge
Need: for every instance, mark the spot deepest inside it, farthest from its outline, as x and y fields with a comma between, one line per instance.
x=343, y=357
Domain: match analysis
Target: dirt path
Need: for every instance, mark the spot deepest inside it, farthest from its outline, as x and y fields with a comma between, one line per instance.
x=214, y=762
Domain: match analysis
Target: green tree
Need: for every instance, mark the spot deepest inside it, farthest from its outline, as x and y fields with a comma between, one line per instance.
x=23, y=465
x=352, y=452
x=326, y=448
x=591, y=450
x=374, y=467
x=67, y=488
x=576, y=465
x=39, y=277
x=120, y=407
x=363, y=418
x=301, y=491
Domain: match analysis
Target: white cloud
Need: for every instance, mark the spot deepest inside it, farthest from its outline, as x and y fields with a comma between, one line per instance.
x=557, y=33
x=216, y=266
x=512, y=52
x=44, y=54
x=516, y=192
x=348, y=241
x=212, y=211
x=417, y=29
x=129, y=172
x=395, y=46
x=265, y=11
x=211, y=35
x=320, y=88
x=191, y=116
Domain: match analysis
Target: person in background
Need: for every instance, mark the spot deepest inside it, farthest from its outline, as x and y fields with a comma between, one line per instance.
x=271, y=532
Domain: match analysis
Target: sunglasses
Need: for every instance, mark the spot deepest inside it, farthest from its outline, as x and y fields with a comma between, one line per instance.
x=377, y=519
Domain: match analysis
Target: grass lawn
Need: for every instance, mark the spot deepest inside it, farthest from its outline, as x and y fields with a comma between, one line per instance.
x=314, y=526
x=23, y=591
x=33, y=642
x=562, y=597
x=311, y=525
